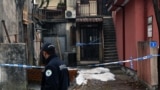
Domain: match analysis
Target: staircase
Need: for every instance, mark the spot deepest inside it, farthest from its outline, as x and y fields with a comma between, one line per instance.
x=110, y=50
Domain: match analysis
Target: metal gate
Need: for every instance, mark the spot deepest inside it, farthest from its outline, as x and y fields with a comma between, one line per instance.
x=89, y=36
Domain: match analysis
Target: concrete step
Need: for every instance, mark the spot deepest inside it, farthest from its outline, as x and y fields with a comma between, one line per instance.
x=106, y=51
x=109, y=47
x=113, y=43
x=110, y=50
x=110, y=54
x=110, y=58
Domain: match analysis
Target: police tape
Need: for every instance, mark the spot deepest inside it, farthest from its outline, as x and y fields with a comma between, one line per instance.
x=126, y=61
x=21, y=66
x=96, y=65
x=94, y=42
x=85, y=44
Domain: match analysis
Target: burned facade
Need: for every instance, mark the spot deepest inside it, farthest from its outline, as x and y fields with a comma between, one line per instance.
x=15, y=39
x=74, y=26
x=49, y=25
x=16, y=24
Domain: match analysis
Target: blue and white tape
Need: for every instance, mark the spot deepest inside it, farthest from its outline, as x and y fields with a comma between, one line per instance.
x=84, y=44
x=95, y=42
x=103, y=64
x=20, y=66
x=126, y=61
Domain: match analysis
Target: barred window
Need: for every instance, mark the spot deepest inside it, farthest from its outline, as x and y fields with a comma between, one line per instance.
x=84, y=1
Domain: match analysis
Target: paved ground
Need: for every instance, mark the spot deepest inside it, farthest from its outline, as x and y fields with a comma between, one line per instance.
x=122, y=82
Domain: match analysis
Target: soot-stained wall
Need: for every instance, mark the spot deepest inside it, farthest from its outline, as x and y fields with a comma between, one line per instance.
x=11, y=13
x=12, y=78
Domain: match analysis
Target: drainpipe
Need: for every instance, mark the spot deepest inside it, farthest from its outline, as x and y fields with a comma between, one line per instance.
x=145, y=19
x=123, y=12
x=123, y=31
x=4, y=25
x=122, y=6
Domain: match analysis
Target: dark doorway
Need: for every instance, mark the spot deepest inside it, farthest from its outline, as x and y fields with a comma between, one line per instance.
x=90, y=39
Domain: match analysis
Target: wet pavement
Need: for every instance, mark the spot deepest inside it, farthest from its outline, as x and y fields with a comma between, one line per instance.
x=122, y=82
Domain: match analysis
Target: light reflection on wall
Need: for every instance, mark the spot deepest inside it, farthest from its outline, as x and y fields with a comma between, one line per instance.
x=3, y=75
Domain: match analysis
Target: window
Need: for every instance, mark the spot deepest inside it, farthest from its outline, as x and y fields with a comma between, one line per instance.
x=73, y=35
x=84, y=1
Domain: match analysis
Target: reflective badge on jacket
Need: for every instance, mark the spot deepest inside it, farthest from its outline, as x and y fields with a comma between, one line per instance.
x=62, y=67
x=48, y=73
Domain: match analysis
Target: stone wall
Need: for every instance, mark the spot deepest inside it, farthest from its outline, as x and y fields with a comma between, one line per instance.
x=12, y=78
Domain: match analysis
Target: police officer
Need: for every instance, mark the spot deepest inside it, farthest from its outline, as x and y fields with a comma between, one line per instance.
x=55, y=75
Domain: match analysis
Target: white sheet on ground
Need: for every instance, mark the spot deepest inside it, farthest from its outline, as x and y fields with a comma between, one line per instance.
x=99, y=73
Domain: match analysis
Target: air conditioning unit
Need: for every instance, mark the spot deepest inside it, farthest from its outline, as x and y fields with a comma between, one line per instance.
x=70, y=14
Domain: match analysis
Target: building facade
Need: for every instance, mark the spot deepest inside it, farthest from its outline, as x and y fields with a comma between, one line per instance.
x=74, y=26
x=135, y=25
x=16, y=42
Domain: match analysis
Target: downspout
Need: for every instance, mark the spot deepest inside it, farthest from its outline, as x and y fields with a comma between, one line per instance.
x=145, y=19
x=122, y=6
x=123, y=32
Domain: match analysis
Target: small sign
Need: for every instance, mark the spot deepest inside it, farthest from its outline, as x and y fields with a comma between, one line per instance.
x=149, y=26
x=149, y=30
x=150, y=20
x=153, y=44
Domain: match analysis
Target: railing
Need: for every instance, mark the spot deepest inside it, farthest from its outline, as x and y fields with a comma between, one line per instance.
x=50, y=13
x=87, y=9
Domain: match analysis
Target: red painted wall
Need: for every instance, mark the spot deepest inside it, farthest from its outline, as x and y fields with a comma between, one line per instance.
x=130, y=31
x=119, y=34
x=135, y=26
x=150, y=12
x=135, y=30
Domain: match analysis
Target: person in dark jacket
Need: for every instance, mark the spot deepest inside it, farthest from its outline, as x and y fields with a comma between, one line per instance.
x=55, y=75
